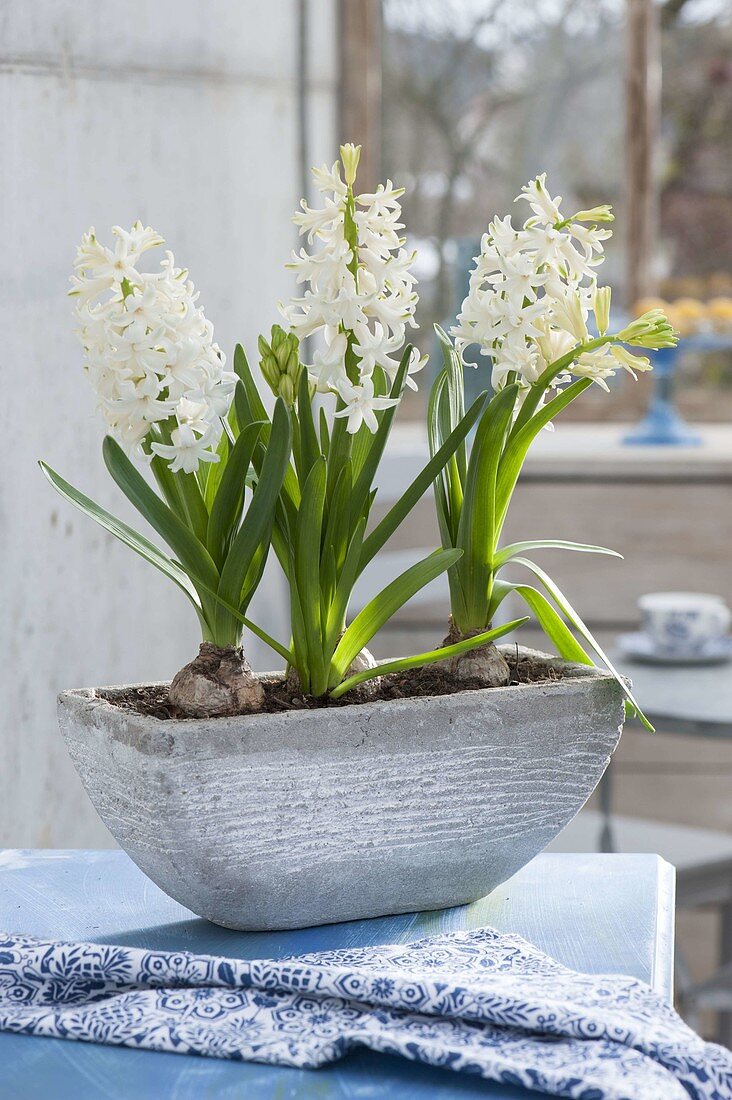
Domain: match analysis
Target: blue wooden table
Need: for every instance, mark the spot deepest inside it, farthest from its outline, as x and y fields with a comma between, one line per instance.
x=597, y=913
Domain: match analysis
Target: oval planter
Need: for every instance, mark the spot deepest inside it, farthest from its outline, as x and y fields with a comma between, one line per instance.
x=311, y=816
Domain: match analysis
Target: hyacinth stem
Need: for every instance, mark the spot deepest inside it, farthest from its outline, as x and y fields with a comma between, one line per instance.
x=472, y=619
x=545, y=379
x=181, y=490
x=350, y=232
x=230, y=636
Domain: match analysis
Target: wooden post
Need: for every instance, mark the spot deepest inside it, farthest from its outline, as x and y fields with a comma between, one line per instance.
x=303, y=116
x=643, y=96
x=360, y=84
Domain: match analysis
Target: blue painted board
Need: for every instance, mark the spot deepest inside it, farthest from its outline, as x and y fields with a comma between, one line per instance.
x=598, y=913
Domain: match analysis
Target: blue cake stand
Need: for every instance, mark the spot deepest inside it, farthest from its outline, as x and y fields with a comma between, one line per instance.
x=663, y=425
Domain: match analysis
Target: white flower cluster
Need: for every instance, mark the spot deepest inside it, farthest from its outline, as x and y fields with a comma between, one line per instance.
x=360, y=292
x=532, y=291
x=149, y=351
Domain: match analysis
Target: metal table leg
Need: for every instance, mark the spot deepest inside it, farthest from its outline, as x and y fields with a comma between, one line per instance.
x=605, y=791
x=724, y=1029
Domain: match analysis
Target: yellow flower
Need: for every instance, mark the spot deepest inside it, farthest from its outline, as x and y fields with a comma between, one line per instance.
x=719, y=311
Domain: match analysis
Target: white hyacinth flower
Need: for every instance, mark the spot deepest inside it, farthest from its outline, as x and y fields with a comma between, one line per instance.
x=532, y=291
x=149, y=351
x=187, y=448
x=359, y=295
x=361, y=403
x=545, y=208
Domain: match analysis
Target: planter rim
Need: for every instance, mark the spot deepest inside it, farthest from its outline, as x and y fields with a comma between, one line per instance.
x=572, y=674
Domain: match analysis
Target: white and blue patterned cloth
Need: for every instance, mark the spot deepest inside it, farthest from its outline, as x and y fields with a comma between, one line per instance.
x=479, y=1002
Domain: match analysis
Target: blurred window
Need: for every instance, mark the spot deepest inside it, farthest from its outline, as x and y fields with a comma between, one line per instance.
x=696, y=191
x=480, y=95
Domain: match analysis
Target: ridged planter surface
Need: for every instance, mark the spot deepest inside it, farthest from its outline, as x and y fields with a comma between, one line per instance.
x=311, y=816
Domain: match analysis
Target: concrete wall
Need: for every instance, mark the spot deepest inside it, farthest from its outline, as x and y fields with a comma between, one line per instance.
x=184, y=115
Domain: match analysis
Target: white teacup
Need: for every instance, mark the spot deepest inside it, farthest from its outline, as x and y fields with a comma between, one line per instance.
x=684, y=622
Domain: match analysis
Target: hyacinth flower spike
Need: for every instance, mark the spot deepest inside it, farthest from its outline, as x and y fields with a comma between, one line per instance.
x=532, y=296
x=357, y=304
x=166, y=397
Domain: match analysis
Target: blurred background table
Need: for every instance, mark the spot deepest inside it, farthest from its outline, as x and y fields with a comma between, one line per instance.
x=692, y=701
x=695, y=700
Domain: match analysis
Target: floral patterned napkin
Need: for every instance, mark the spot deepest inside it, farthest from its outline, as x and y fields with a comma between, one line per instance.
x=479, y=1002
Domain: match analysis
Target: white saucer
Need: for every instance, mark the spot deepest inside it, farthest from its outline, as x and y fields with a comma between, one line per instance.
x=640, y=647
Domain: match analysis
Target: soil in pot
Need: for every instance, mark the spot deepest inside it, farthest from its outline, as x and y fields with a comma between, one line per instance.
x=152, y=699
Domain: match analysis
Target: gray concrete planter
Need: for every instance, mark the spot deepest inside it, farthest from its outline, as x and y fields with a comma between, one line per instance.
x=307, y=817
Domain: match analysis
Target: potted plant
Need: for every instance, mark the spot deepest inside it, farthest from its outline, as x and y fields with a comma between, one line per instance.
x=335, y=788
